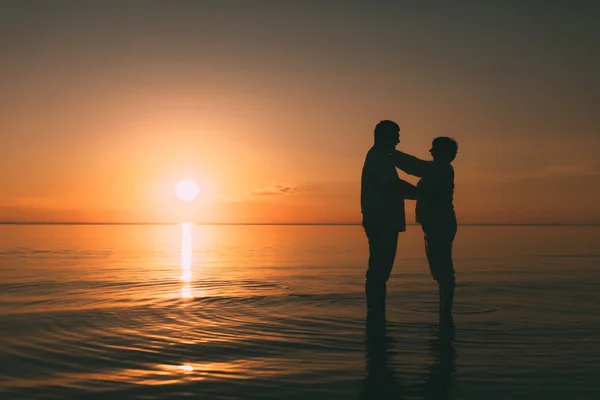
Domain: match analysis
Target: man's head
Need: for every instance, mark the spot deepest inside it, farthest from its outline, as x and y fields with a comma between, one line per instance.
x=387, y=134
x=444, y=149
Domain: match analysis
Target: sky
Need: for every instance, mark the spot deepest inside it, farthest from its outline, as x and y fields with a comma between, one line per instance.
x=270, y=106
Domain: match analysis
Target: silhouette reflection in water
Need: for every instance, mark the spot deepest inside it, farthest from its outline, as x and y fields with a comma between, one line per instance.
x=441, y=371
x=382, y=381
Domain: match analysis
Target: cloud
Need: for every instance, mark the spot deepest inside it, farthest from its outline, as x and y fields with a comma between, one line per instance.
x=270, y=190
x=232, y=200
x=29, y=202
x=275, y=189
x=559, y=171
x=570, y=170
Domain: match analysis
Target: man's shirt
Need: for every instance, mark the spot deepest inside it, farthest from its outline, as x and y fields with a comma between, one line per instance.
x=381, y=202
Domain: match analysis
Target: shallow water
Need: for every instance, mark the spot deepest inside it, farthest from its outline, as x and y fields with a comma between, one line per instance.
x=273, y=312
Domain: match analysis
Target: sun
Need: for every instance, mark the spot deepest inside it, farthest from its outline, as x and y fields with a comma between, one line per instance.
x=187, y=190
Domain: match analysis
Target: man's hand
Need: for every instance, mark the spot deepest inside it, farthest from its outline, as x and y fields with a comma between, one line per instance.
x=408, y=190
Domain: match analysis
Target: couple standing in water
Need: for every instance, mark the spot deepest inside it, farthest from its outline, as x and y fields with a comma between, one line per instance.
x=382, y=205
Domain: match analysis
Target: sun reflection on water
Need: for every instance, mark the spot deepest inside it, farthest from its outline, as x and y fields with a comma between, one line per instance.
x=186, y=259
x=187, y=368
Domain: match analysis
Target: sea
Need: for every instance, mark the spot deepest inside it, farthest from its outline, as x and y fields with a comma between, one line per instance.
x=188, y=311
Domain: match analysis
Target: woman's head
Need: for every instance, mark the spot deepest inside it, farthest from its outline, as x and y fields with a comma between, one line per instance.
x=444, y=149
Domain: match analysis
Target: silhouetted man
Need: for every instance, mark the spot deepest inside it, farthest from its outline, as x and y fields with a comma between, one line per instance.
x=381, y=382
x=382, y=206
x=435, y=213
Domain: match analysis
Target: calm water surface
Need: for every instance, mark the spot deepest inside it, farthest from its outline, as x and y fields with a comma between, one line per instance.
x=274, y=312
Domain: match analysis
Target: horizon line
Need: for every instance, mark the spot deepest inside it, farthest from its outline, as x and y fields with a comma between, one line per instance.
x=281, y=223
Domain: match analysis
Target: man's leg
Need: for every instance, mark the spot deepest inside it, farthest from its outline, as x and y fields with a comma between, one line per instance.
x=383, y=242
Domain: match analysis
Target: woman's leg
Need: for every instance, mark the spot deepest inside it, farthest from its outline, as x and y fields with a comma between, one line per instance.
x=438, y=247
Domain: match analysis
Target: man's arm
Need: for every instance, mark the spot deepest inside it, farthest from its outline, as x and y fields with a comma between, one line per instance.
x=408, y=190
x=384, y=175
x=410, y=164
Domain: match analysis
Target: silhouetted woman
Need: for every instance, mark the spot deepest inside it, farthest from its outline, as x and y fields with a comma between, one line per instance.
x=435, y=213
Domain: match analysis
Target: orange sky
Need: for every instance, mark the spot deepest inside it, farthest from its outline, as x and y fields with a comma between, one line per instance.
x=271, y=108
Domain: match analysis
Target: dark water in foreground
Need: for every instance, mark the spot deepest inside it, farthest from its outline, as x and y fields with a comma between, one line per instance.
x=260, y=312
